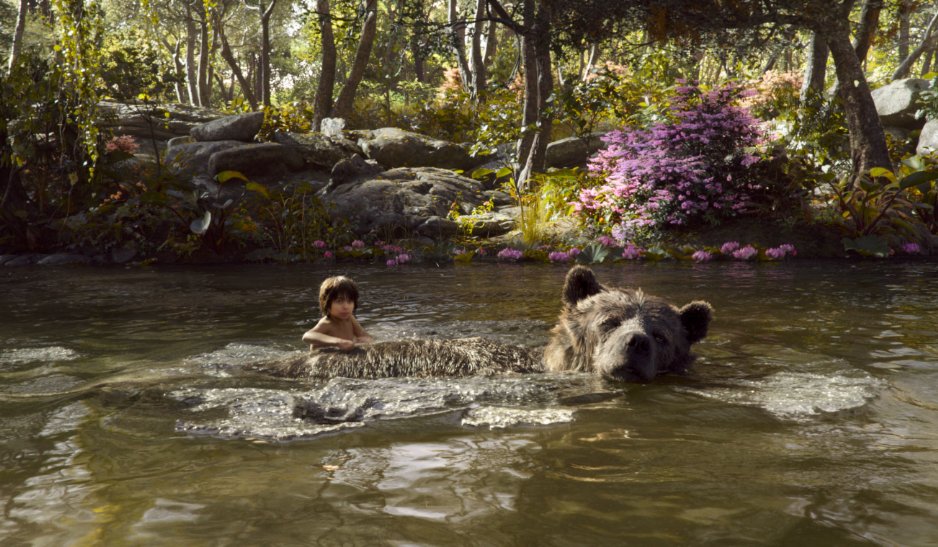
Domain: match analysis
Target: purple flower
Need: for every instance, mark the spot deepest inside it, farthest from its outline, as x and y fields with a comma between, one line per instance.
x=789, y=249
x=631, y=252
x=512, y=255
x=729, y=247
x=391, y=263
x=607, y=241
x=559, y=256
x=574, y=252
x=319, y=244
x=702, y=256
x=358, y=244
x=911, y=248
x=347, y=248
x=403, y=258
x=775, y=253
x=745, y=253
x=328, y=254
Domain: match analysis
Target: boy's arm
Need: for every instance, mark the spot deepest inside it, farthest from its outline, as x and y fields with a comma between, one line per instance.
x=360, y=334
x=319, y=337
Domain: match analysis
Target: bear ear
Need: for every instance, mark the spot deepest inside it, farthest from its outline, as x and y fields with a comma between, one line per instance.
x=695, y=317
x=580, y=284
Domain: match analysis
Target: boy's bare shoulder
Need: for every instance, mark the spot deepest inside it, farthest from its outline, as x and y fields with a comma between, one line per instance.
x=324, y=326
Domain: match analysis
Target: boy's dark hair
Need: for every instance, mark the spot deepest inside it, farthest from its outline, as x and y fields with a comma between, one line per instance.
x=334, y=287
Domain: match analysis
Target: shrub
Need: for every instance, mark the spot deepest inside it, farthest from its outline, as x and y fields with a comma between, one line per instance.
x=693, y=168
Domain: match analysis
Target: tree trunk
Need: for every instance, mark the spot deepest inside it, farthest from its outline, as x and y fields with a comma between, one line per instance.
x=229, y=58
x=343, y=105
x=180, y=70
x=323, y=102
x=904, y=12
x=491, y=44
x=192, y=79
x=529, y=64
x=458, y=37
x=478, y=61
x=869, y=24
x=928, y=41
x=867, y=139
x=539, y=74
x=265, y=51
x=815, y=72
x=205, y=48
x=418, y=55
x=17, y=36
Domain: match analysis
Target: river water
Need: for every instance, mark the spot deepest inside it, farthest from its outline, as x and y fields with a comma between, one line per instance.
x=128, y=414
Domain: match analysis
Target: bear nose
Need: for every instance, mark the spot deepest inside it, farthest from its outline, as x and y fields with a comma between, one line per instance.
x=639, y=344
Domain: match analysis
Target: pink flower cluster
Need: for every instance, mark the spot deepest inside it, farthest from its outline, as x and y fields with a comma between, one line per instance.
x=780, y=252
x=402, y=258
x=122, y=143
x=911, y=248
x=510, y=254
x=675, y=173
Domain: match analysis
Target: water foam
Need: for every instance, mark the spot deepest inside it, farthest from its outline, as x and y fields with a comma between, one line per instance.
x=19, y=356
x=800, y=395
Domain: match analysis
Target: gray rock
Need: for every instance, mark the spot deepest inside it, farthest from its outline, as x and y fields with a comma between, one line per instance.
x=240, y=127
x=573, y=151
x=179, y=141
x=897, y=102
x=23, y=260
x=256, y=159
x=490, y=224
x=63, y=259
x=393, y=147
x=6, y=258
x=187, y=160
x=158, y=121
x=928, y=140
x=399, y=201
x=319, y=151
x=354, y=168
x=438, y=228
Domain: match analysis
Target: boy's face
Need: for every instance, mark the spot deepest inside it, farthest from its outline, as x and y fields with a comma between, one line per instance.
x=342, y=307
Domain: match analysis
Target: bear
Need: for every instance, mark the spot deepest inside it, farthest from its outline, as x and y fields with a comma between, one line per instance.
x=622, y=334
x=619, y=334
x=412, y=358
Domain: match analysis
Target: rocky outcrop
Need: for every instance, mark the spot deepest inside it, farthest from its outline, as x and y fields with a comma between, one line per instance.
x=190, y=159
x=240, y=127
x=256, y=159
x=318, y=150
x=928, y=140
x=573, y=151
x=897, y=102
x=404, y=201
x=393, y=147
x=160, y=122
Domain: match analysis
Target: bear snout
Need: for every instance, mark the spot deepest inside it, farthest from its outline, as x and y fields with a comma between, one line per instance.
x=632, y=359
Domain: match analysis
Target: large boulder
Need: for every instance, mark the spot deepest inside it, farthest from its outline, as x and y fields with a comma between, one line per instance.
x=928, y=140
x=318, y=150
x=573, y=151
x=155, y=121
x=393, y=147
x=897, y=102
x=190, y=159
x=240, y=127
x=403, y=201
x=354, y=168
x=256, y=159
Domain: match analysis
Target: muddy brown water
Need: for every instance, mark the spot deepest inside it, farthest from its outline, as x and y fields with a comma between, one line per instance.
x=127, y=415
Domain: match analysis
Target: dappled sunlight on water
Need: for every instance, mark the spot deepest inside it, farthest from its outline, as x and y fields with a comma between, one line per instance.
x=129, y=412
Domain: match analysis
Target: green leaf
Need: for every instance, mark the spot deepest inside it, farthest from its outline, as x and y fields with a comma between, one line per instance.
x=481, y=172
x=919, y=178
x=225, y=176
x=257, y=187
x=200, y=225
x=878, y=172
x=503, y=172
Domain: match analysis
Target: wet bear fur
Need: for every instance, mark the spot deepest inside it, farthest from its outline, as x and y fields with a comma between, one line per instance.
x=622, y=334
x=413, y=358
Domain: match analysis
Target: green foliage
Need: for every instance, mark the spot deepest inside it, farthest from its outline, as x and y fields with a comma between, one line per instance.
x=296, y=117
x=928, y=101
x=293, y=220
x=897, y=206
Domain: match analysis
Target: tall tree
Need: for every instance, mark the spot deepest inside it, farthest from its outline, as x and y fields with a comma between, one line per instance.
x=343, y=105
x=815, y=73
x=265, y=12
x=17, y=35
x=322, y=107
x=929, y=39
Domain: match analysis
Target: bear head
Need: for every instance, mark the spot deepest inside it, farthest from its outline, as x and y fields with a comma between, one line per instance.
x=622, y=334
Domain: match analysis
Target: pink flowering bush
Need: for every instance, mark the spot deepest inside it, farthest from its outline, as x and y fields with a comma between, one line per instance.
x=631, y=252
x=693, y=168
x=509, y=254
x=123, y=143
x=559, y=257
x=911, y=248
x=702, y=256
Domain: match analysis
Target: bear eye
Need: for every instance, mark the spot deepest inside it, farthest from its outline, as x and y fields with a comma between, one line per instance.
x=660, y=338
x=610, y=323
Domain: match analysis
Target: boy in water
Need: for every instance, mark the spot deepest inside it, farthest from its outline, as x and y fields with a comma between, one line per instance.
x=338, y=299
